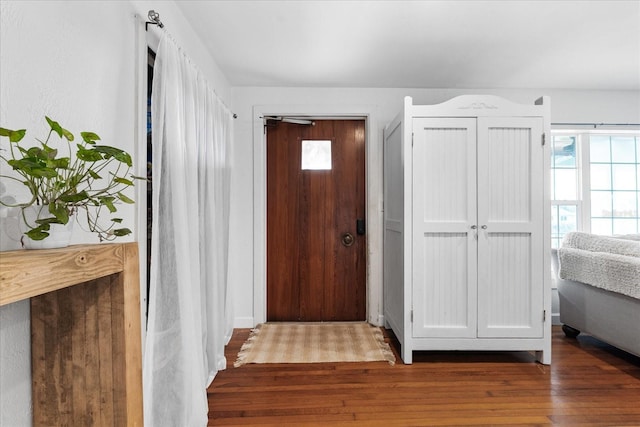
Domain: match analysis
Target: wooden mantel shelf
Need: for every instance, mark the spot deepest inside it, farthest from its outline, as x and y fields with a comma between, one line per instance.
x=85, y=331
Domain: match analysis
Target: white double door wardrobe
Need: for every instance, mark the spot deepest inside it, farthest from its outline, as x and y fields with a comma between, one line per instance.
x=466, y=226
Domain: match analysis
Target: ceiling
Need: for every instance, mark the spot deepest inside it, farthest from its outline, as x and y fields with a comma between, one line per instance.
x=423, y=44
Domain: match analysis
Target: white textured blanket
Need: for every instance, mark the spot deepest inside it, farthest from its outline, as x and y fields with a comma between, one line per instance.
x=604, y=262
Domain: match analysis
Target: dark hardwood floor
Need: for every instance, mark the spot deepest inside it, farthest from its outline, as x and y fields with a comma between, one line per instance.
x=588, y=384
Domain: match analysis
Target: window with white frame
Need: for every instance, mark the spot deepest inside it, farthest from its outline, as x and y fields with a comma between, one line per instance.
x=565, y=195
x=615, y=183
x=595, y=183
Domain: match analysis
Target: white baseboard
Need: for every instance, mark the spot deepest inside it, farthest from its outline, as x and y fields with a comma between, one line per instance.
x=247, y=322
x=377, y=320
x=243, y=322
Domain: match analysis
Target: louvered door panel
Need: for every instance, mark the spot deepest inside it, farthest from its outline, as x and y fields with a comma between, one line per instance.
x=444, y=209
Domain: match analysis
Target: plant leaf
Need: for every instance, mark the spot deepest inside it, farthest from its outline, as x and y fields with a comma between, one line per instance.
x=60, y=212
x=122, y=181
x=74, y=180
x=89, y=137
x=55, y=126
x=94, y=175
x=47, y=221
x=62, y=163
x=125, y=199
x=121, y=232
x=35, y=152
x=14, y=135
x=26, y=163
x=108, y=202
x=90, y=155
x=36, y=234
x=118, y=220
x=118, y=154
x=33, y=168
x=67, y=135
x=74, y=198
x=52, y=153
x=125, y=158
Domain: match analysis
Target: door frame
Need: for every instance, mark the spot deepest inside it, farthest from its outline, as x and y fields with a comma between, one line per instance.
x=373, y=199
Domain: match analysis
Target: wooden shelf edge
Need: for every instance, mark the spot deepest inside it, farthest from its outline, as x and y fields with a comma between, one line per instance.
x=28, y=273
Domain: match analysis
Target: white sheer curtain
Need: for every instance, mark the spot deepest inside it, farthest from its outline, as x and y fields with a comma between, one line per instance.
x=189, y=307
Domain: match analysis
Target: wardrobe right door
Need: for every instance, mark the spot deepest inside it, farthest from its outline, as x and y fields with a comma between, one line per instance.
x=510, y=227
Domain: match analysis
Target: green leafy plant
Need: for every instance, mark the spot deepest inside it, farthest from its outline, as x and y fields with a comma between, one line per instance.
x=85, y=177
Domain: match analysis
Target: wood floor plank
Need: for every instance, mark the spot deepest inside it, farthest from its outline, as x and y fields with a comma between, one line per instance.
x=588, y=383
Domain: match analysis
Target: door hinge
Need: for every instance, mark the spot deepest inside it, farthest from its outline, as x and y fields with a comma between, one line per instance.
x=544, y=139
x=544, y=315
x=412, y=134
x=411, y=316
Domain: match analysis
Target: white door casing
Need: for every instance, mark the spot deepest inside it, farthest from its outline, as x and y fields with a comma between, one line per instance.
x=373, y=159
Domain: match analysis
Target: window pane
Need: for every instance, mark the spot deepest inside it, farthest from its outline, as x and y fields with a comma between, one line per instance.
x=316, y=155
x=600, y=203
x=601, y=177
x=563, y=220
x=625, y=226
x=601, y=226
x=564, y=151
x=624, y=177
x=599, y=149
x=625, y=204
x=623, y=149
x=565, y=184
x=567, y=219
x=555, y=229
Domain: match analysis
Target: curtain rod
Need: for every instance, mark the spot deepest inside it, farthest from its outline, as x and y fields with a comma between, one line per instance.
x=595, y=125
x=154, y=19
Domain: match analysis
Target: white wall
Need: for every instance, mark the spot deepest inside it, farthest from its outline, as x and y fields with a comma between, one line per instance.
x=180, y=30
x=566, y=106
x=75, y=62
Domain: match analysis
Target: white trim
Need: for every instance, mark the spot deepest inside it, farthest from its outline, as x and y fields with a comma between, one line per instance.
x=243, y=323
x=584, y=174
x=140, y=165
x=373, y=199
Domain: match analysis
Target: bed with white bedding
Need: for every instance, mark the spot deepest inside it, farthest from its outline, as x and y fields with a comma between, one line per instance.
x=599, y=288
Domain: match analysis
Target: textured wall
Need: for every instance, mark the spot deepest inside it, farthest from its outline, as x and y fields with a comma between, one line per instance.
x=72, y=61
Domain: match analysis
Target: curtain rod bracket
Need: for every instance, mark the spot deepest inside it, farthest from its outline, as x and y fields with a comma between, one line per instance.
x=154, y=19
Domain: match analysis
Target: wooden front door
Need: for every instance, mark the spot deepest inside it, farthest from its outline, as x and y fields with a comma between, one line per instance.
x=316, y=247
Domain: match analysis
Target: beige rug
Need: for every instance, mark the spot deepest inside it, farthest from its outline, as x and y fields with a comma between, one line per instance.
x=285, y=342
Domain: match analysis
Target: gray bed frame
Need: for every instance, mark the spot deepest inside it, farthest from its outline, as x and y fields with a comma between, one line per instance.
x=608, y=316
